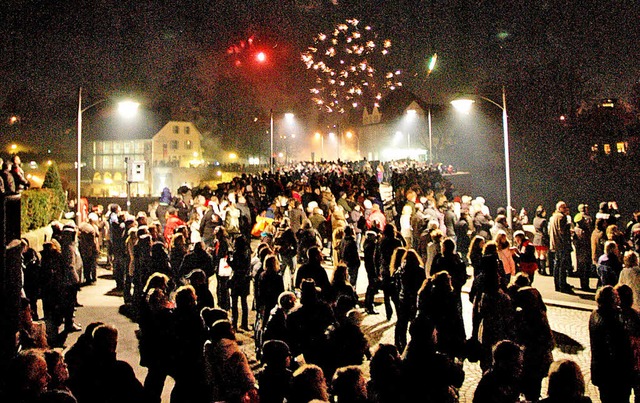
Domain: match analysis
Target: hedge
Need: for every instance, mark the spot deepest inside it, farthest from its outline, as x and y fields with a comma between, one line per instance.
x=38, y=209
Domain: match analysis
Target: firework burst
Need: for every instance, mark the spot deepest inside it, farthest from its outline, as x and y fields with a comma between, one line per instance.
x=347, y=64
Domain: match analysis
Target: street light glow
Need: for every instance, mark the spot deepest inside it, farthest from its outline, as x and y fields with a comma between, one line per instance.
x=128, y=109
x=349, y=135
x=289, y=117
x=318, y=135
x=412, y=113
x=463, y=105
x=261, y=57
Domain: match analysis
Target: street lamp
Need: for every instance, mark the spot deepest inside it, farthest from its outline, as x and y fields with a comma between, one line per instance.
x=289, y=118
x=464, y=105
x=127, y=109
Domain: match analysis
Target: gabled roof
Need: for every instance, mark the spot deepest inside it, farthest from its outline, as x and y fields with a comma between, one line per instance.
x=396, y=102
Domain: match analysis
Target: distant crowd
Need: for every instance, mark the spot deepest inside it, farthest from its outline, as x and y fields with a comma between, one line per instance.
x=186, y=270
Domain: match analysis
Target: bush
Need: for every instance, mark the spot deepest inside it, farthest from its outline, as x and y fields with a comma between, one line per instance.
x=38, y=208
x=52, y=181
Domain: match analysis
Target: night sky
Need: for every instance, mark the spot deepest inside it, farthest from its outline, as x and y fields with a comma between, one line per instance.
x=172, y=55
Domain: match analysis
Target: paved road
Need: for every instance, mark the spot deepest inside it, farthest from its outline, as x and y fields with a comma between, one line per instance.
x=569, y=325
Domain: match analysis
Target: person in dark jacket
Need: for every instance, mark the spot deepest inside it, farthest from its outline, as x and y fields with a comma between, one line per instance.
x=313, y=270
x=566, y=383
x=387, y=244
x=534, y=334
x=189, y=335
x=286, y=246
x=348, y=254
x=385, y=368
x=541, y=239
x=240, y=281
x=104, y=378
x=463, y=240
x=275, y=377
x=209, y=222
x=270, y=286
x=7, y=178
x=198, y=280
x=178, y=249
x=156, y=334
x=409, y=279
x=437, y=303
x=307, y=237
x=501, y=383
x=160, y=259
x=427, y=373
x=611, y=365
x=89, y=248
x=307, y=323
x=198, y=258
x=373, y=282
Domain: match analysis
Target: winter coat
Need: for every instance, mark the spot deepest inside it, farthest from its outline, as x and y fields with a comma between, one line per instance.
x=610, y=349
x=227, y=371
x=349, y=252
x=240, y=280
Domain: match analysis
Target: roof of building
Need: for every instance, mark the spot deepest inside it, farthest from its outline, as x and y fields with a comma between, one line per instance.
x=396, y=102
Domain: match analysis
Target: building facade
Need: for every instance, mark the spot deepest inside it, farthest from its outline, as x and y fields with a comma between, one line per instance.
x=174, y=147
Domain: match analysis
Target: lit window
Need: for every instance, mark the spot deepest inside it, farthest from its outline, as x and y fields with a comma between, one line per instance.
x=187, y=130
x=174, y=144
x=621, y=147
x=176, y=129
x=594, y=148
x=127, y=147
x=107, y=147
x=188, y=144
x=106, y=162
x=607, y=149
x=118, y=162
x=117, y=147
x=139, y=147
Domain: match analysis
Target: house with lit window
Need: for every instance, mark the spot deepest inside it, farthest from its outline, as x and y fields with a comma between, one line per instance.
x=610, y=127
x=165, y=153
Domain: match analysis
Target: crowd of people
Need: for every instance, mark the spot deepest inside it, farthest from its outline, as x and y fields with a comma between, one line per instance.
x=12, y=177
x=187, y=269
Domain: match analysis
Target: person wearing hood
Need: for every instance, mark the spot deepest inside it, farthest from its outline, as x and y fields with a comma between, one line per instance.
x=163, y=206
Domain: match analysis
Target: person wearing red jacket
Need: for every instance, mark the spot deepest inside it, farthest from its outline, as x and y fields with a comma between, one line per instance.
x=173, y=222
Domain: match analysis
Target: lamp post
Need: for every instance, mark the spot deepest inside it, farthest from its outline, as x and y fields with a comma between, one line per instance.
x=125, y=108
x=432, y=65
x=289, y=117
x=430, y=143
x=271, y=142
x=464, y=105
